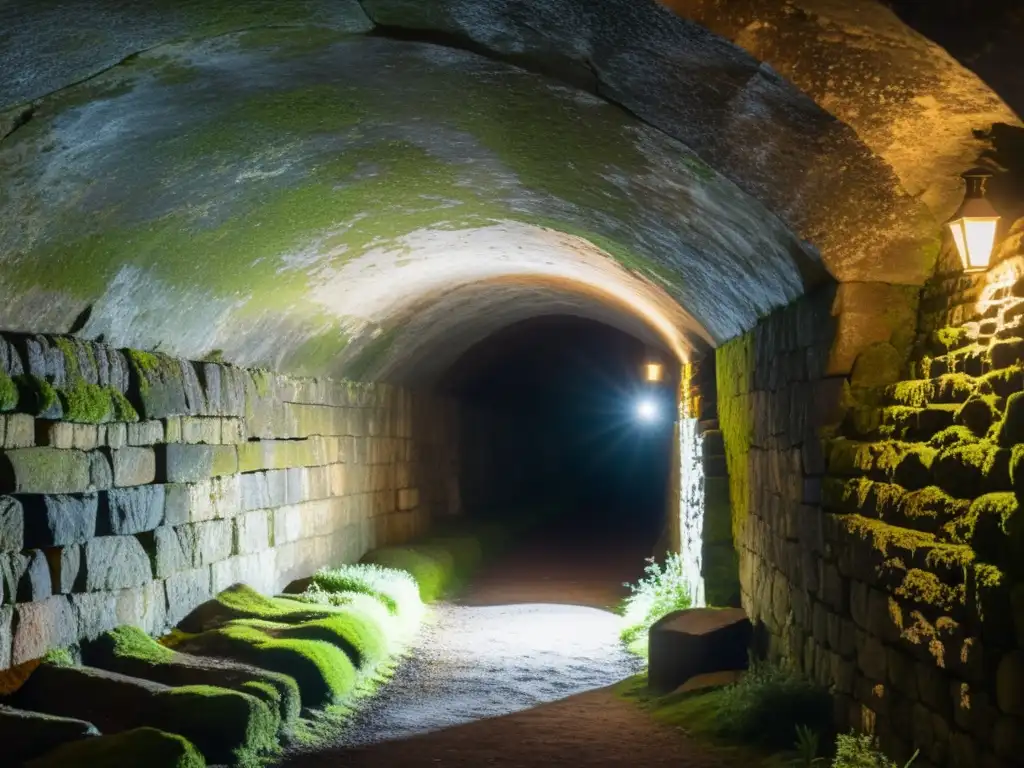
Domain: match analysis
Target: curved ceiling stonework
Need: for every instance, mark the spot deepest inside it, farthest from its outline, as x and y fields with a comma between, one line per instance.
x=369, y=189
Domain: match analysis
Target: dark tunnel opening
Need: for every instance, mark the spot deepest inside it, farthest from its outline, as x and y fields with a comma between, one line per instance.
x=587, y=442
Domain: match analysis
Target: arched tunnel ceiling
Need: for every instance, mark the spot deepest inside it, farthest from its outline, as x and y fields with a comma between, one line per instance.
x=312, y=199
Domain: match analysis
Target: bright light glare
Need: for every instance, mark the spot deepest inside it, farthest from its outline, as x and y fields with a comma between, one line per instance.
x=647, y=410
x=654, y=371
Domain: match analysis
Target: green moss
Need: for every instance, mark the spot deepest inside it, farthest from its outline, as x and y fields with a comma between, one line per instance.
x=8, y=393
x=243, y=602
x=85, y=403
x=395, y=588
x=128, y=650
x=960, y=469
x=927, y=589
x=846, y=494
x=915, y=394
x=1003, y=382
x=431, y=568
x=366, y=360
x=884, y=537
x=130, y=749
x=60, y=657
x=324, y=673
x=226, y=726
x=1017, y=468
x=877, y=366
x=951, y=436
x=954, y=388
x=979, y=414
x=847, y=457
x=362, y=639
x=121, y=409
x=995, y=528
x=1011, y=430
x=35, y=395
x=931, y=508
x=950, y=338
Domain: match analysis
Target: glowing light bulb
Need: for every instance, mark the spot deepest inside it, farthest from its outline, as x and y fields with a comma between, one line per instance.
x=647, y=410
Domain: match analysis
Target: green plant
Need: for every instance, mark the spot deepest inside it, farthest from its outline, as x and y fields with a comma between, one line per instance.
x=35, y=395
x=394, y=588
x=767, y=704
x=85, y=403
x=660, y=591
x=806, y=748
x=8, y=393
x=854, y=750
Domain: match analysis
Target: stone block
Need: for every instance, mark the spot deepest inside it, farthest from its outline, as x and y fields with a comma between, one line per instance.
x=12, y=525
x=252, y=532
x=232, y=432
x=258, y=570
x=145, y=433
x=173, y=549
x=101, y=474
x=408, y=498
x=65, y=568
x=55, y=434
x=42, y=626
x=132, y=510
x=115, y=562
x=1008, y=739
x=57, y=520
x=17, y=430
x=1010, y=683
x=186, y=590
x=183, y=463
x=218, y=497
x=117, y=435
x=172, y=429
x=6, y=638
x=214, y=541
x=696, y=641
x=197, y=430
x=133, y=466
x=25, y=576
x=44, y=470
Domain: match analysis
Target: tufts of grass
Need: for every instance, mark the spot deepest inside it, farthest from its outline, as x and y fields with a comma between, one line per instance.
x=85, y=403
x=432, y=568
x=362, y=640
x=661, y=590
x=395, y=588
x=854, y=750
x=130, y=749
x=8, y=393
x=243, y=602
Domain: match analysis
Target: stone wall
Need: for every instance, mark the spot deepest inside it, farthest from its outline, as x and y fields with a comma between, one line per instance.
x=876, y=485
x=134, y=486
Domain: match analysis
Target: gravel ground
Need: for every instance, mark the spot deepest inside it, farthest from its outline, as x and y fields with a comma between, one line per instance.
x=516, y=674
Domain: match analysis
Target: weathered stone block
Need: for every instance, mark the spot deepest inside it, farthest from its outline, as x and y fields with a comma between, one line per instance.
x=65, y=568
x=55, y=434
x=145, y=433
x=115, y=562
x=42, y=626
x=696, y=641
x=173, y=549
x=408, y=498
x=132, y=510
x=191, y=463
x=44, y=470
x=101, y=475
x=214, y=541
x=1010, y=683
x=25, y=576
x=201, y=430
x=185, y=591
x=17, y=430
x=252, y=532
x=57, y=520
x=133, y=466
x=6, y=635
x=12, y=525
x=117, y=435
x=218, y=497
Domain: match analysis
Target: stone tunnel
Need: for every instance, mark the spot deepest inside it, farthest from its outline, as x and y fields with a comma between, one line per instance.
x=249, y=250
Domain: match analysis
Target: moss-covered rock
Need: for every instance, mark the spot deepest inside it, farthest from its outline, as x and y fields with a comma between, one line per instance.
x=244, y=602
x=38, y=397
x=1011, y=430
x=960, y=469
x=850, y=458
x=26, y=735
x=979, y=414
x=1003, y=382
x=931, y=508
x=995, y=527
x=85, y=403
x=997, y=470
x=948, y=339
x=121, y=409
x=8, y=393
x=226, y=726
x=906, y=464
x=130, y=651
x=1017, y=469
x=915, y=393
x=927, y=590
x=1007, y=354
x=952, y=436
x=954, y=388
x=324, y=672
x=358, y=636
x=147, y=747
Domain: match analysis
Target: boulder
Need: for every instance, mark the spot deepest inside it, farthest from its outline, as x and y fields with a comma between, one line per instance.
x=694, y=642
x=27, y=735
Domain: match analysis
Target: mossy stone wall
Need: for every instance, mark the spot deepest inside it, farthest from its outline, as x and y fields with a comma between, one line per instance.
x=193, y=476
x=881, y=556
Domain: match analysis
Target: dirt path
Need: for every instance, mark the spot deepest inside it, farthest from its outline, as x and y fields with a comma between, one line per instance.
x=516, y=674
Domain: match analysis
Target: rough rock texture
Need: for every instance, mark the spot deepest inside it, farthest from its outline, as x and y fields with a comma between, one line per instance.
x=26, y=735
x=693, y=642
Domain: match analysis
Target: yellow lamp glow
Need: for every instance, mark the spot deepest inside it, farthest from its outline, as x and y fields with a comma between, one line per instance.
x=975, y=224
x=654, y=371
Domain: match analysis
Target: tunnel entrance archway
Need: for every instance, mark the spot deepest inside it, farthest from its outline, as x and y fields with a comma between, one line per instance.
x=571, y=445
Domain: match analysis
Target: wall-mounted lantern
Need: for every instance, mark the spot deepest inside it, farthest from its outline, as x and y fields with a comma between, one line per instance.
x=974, y=225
